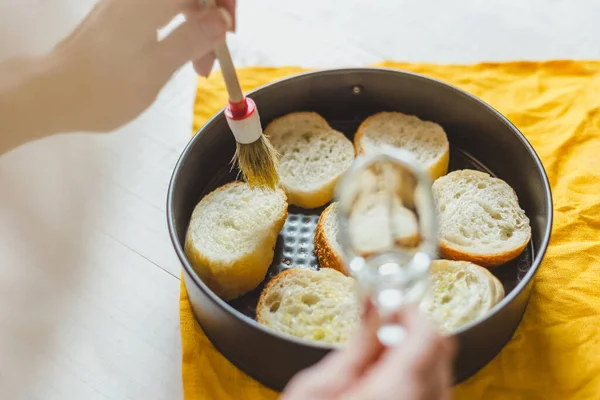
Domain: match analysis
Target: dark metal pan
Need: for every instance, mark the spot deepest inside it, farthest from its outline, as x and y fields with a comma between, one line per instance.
x=480, y=138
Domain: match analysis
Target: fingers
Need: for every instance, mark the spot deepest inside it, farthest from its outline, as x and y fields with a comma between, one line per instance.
x=420, y=367
x=445, y=370
x=194, y=9
x=195, y=39
x=426, y=356
x=230, y=6
x=421, y=345
x=436, y=383
x=363, y=349
x=203, y=66
x=340, y=369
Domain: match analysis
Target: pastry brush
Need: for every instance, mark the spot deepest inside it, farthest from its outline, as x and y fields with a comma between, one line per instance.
x=255, y=156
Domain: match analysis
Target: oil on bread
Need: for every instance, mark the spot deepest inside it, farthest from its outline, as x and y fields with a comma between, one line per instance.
x=461, y=292
x=317, y=305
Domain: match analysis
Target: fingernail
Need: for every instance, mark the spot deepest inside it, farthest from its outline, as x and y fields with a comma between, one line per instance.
x=215, y=23
x=227, y=18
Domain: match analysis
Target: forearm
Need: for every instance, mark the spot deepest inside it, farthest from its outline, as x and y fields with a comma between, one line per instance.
x=35, y=97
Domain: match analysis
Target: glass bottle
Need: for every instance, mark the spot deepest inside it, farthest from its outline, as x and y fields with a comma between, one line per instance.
x=387, y=232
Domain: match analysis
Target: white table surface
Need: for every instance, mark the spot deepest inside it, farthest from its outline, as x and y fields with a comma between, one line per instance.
x=89, y=283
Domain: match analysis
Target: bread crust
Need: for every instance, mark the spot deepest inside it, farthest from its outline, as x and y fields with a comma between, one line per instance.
x=321, y=122
x=499, y=288
x=324, y=250
x=311, y=200
x=436, y=169
x=488, y=260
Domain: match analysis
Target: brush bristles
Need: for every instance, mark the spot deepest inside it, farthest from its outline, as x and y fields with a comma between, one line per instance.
x=258, y=162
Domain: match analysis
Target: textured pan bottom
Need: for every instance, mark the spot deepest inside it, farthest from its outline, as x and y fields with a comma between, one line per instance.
x=295, y=247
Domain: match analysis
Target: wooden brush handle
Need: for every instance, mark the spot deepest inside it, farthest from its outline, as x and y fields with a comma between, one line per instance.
x=227, y=68
x=229, y=75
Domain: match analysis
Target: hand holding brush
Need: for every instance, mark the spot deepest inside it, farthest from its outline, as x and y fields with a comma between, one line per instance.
x=257, y=159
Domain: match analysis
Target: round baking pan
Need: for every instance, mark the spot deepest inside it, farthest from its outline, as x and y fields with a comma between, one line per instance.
x=480, y=138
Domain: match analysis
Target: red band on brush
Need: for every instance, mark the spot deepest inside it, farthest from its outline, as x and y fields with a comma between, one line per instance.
x=241, y=110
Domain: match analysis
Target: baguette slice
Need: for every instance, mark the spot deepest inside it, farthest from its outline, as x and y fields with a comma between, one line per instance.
x=321, y=305
x=480, y=219
x=313, y=157
x=231, y=237
x=369, y=228
x=461, y=292
x=314, y=305
x=426, y=140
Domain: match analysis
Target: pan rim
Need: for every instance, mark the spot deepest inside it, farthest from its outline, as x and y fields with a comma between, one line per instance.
x=516, y=291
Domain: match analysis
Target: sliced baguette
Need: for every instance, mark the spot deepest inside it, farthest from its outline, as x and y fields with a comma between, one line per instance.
x=369, y=229
x=231, y=237
x=313, y=157
x=480, y=219
x=309, y=304
x=322, y=305
x=461, y=292
x=426, y=140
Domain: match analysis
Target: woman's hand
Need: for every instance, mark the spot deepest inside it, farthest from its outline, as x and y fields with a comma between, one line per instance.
x=114, y=64
x=109, y=69
x=419, y=368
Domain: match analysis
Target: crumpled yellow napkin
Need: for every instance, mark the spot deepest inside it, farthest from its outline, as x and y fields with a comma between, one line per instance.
x=555, y=353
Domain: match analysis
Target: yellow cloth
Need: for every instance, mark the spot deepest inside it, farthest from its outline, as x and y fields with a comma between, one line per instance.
x=555, y=353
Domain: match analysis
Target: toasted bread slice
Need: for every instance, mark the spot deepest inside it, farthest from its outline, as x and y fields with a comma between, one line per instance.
x=426, y=140
x=313, y=157
x=314, y=305
x=480, y=219
x=231, y=237
x=369, y=229
x=461, y=292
